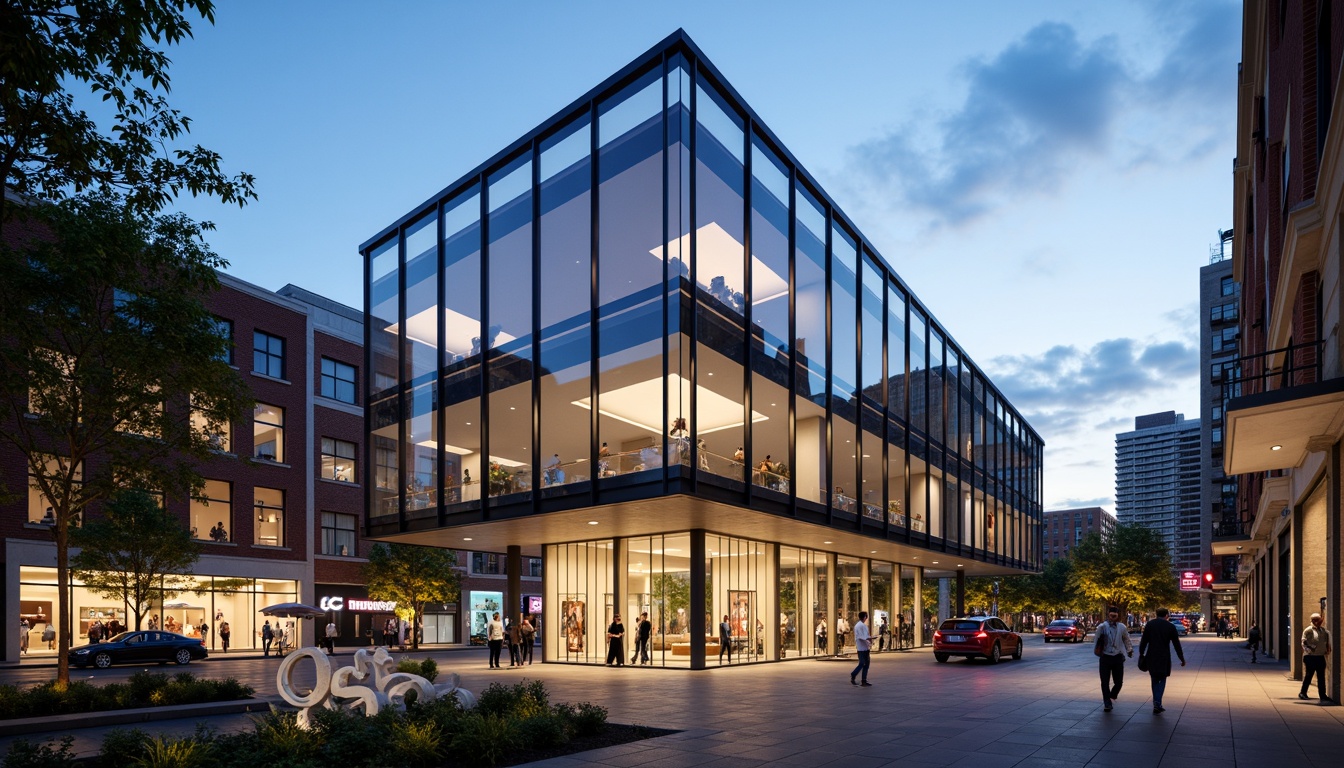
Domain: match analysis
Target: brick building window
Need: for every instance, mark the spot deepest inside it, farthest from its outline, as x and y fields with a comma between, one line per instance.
x=338, y=534
x=268, y=355
x=212, y=515
x=39, y=507
x=338, y=460
x=338, y=380
x=270, y=523
x=268, y=432
x=224, y=329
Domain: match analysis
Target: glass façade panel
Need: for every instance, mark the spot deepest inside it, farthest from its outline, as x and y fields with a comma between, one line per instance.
x=421, y=359
x=719, y=255
x=509, y=327
x=770, y=313
x=872, y=414
x=678, y=290
x=844, y=372
x=566, y=330
x=809, y=476
x=420, y=476
x=460, y=410
x=383, y=291
x=630, y=280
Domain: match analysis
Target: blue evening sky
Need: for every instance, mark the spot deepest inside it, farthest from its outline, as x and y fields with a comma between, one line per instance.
x=1047, y=176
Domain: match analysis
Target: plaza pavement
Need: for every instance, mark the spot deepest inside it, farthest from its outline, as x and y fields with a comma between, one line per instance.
x=1044, y=710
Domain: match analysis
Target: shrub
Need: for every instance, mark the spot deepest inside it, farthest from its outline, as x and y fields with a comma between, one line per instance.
x=25, y=754
x=543, y=731
x=521, y=700
x=174, y=753
x=484, y=739
x=123, y=747
x=427, y=668
x=416, y=744
x=280, y=735
x=586, y=719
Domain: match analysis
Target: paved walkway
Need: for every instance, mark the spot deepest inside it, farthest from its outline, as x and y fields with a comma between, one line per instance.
x=1042, y=711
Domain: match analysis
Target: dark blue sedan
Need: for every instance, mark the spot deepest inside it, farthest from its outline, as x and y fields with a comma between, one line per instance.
x=138, y=648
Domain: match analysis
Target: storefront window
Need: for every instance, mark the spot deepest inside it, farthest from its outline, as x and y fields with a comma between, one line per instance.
x=742, y=593
x=580, y=588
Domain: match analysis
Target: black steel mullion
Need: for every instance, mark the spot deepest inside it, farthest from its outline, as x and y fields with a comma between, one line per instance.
x=370, y=472
x=905, y=415
x=748, y=356
x=594, y=347
x=886, y=416
x=536, y=325
x=403, y=381
x=484, y=480
x=667, y=262
x=694, y=421
x=793, y=347
x=440, y=388
x=829, y=385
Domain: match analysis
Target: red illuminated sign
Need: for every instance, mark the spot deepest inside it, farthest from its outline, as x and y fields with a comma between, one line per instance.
x=1189, y=581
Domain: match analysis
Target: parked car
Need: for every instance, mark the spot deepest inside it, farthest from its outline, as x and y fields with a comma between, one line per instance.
x=139, y=647
x=973, y=636
x=1181, y=629
x=1067, y=630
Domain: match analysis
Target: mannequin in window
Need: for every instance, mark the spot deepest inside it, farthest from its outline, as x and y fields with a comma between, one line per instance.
x=49, y=517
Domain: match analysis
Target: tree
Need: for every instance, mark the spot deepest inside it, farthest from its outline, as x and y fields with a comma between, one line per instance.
x=412, y=576
x=107, y=350
x=51, y=148
x=135, y=552
x=1131, y=567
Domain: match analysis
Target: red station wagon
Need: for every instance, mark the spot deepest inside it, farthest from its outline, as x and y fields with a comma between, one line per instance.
x=973, y=636
x=1067, y=630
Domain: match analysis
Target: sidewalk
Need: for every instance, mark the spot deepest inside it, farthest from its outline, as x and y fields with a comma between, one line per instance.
x=1044, y=710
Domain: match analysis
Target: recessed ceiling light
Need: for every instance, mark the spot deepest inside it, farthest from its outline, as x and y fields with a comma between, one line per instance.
x=959, y=565
x=1276, y=447
x=592, y=522
x=872, y=551
x=825, y=542
x=935, y=562
x=466, y=538
x=511, y=408
x=468, y=423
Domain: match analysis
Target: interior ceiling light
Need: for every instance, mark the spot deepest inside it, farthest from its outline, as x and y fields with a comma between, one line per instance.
x=630, y=404
x=1276, y=447
x=466, y=538
x=718, y=253
x=825, y=542
x=592, y=522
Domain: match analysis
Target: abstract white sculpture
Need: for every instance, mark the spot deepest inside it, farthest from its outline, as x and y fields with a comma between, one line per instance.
x=373, y=682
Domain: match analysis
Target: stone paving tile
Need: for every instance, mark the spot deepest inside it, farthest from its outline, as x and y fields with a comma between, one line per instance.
x=988, y=760
x=1065, y=753
x=1009, y=748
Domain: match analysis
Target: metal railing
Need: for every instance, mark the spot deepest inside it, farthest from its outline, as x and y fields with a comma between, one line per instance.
x=1230, y=528
x=1252, y=374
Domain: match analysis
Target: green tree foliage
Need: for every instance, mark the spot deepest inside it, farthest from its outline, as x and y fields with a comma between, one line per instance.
x=55, y=51
x=107, y=345
x=135, y=552
x=1130, y=569
x=412, y=576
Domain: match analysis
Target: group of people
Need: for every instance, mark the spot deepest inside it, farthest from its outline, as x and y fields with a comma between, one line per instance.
x=521, y=637
x=276, y=636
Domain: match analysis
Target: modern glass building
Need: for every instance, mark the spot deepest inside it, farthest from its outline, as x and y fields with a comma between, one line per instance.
x=643, y=344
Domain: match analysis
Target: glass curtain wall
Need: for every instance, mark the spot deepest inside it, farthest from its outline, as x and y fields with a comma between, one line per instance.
x=566, y=330
x=849, y=595
x=770, y=345
x=720, y=286
x=881, y=604
x=460, y=411
x=874, y=386
x=898, y=485
x=420, y=362
x=844, y=373
x=922, y=496
x=658, y=582
x=738, y=575
x=810, y=477
x=579, y=586
x=384, y=291
x=630, y=280
x=509, y=332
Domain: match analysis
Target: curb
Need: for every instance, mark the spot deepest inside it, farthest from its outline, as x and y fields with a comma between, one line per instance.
x=62, y=723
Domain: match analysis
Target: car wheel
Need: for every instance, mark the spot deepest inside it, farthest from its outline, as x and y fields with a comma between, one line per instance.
x=1017, y=652
x=102, y=660
x=183, y=656
x=941, y=657
x=995, y=654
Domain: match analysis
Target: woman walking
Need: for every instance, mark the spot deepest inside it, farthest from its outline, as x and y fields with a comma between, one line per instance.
x=1159, y=637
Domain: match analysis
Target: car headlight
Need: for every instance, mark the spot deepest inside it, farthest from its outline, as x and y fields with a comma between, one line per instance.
x=82, y=652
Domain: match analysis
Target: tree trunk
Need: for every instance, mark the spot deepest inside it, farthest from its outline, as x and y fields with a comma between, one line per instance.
x=62, y=531
x=415, y=622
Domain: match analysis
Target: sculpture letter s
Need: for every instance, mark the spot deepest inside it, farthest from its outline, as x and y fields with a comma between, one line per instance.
x=372, y=682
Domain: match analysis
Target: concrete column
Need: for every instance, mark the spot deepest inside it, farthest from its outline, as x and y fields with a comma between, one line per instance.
x=513, y=593
x=698, y=608
x=961, y=593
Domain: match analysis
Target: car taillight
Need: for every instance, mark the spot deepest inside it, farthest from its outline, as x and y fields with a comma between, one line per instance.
x=981, y=635
x=937, y=635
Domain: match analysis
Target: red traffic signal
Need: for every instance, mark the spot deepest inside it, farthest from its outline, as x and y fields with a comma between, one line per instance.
x=1208, y=577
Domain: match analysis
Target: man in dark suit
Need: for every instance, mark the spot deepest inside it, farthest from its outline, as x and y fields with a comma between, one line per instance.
x=1159, y=637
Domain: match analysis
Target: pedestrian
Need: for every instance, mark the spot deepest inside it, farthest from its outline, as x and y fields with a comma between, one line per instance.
x=1155, y=646
x=330, y=638
x=49, y=636
x=494, y=635
x=1315, y=647
x=224, y=634
x=1253, y=640
x=23, y=636
x=725, y=639
x=515, y=641
x=1222, y=626
x=821, y=637
x=267, y=637
x=205, y=632
x=1111, y=648
x=841, y=630
x=643, y=634
x=96, y=632
x=862, y=645
x=616, y=642
x=529, y=633
x=883, y=632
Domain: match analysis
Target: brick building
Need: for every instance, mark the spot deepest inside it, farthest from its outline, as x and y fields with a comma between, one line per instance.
x=1064, y=528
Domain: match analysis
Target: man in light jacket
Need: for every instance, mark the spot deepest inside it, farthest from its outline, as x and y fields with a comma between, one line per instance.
x=1112, y=647
x=1315, y=647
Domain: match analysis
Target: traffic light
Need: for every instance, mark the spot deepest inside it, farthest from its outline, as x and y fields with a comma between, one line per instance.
x=1208, y=578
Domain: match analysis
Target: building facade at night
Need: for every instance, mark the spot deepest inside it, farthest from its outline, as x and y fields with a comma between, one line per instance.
x=642, y=344
x=1062, y=529
x=1157, y=484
